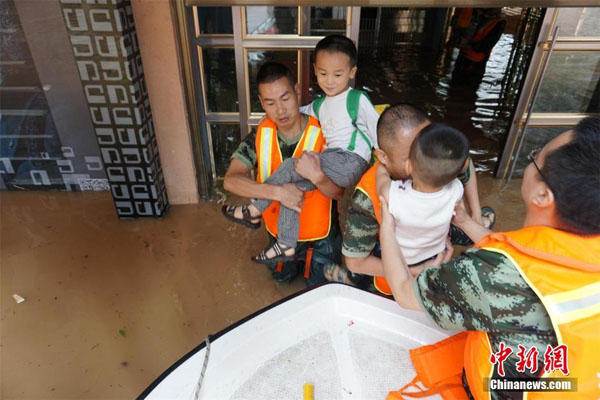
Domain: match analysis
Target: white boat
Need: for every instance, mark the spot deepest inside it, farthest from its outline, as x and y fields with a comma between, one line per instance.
x=348, y=343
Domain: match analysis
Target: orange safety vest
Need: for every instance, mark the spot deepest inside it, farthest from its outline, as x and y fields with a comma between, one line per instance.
x=368, y=186
x=315, y=217
x=563, y=269
x=464, y=17
x=481, y=33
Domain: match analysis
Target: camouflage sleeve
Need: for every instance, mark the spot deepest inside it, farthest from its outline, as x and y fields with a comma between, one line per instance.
x=453, y=295
x=481, y=290
x=484, y=291
x=465, y=174
x=246, y=151
x=362, y=228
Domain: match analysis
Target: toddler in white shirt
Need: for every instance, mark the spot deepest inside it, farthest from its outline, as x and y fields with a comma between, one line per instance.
x=423, y=206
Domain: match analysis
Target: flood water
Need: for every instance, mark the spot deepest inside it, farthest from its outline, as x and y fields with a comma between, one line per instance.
x=412, y=74
x=110, y=304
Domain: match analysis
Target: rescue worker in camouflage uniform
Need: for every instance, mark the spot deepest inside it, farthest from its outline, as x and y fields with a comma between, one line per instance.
x=320, y=235
x=538, y=286
x=397, y=128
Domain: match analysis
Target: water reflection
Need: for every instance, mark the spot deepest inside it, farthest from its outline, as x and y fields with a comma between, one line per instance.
x=408, y=73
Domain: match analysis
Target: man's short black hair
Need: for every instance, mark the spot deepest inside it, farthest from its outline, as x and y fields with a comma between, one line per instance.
x=438, y=154
x=572, y=172
x=338, y=44
x=403, y=116
x=271, y=71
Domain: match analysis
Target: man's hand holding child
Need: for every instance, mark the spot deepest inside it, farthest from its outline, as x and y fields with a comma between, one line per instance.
x=291, y=196
x=308, y=166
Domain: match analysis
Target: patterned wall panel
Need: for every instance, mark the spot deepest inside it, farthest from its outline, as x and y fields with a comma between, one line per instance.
x=106, y=50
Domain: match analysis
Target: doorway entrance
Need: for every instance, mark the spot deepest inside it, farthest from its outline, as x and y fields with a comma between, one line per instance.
x=228, y=46
x=404, y=56
x=408, y=55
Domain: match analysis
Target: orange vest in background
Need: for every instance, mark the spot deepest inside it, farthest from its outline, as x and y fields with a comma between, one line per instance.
x=315, y=217
x=464, y=16
x=563, y=269
x=368, y=186
x=478, y=37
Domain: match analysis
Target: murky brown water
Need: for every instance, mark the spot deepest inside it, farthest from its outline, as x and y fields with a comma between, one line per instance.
x=412, y=74
x=167, y=283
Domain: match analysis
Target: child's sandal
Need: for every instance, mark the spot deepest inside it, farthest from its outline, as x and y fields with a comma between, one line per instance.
x=279, y=255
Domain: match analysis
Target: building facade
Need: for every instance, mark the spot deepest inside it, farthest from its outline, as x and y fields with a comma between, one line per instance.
x=149, y=99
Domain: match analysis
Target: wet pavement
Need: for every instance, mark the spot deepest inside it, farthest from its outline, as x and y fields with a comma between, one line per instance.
x=110, y=304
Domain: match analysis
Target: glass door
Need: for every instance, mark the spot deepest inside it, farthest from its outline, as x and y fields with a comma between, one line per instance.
x=562, y=85
x=229, y=44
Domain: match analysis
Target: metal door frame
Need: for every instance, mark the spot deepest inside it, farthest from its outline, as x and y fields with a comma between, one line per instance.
x=521, y=121
x=191, y=43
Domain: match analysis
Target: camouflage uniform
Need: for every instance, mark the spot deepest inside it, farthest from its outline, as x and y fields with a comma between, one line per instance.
x=483, y=291
x=325, y=251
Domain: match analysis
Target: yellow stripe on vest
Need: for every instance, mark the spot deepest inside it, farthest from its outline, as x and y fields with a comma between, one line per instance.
x=311, y=140
x=267, y=149
x=576, y=304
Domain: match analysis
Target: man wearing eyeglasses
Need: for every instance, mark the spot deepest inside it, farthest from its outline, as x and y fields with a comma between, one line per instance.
x=524, y=294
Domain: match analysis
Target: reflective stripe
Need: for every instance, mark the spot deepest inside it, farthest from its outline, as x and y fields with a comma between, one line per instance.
x=311, y=140
x=576, y=304
x=267, y=149
x=584, y=291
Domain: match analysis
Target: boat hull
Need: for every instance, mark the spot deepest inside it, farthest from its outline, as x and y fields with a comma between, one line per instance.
x=346, y=342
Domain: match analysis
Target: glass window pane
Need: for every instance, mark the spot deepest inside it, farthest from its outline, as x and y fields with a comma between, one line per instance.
x=327, y=21
x=310, y=88
x=579, y=22
x=384, y=26
x=214, y=20
x=256, y=58
x=38, y=147
x=571, y=84
x=219, y=80
x=225, y=140
x=271, y=20
x=535, y=138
